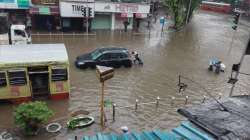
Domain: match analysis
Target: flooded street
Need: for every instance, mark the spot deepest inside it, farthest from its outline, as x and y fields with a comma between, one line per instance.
x=186, y=52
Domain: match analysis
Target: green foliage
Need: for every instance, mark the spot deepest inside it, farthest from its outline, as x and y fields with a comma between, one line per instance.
x=176, y=8
x=72, y=123
x=30, y=115
x=108, y=103
x=179, y=10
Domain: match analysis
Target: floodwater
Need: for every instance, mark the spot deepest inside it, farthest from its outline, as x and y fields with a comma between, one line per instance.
x=186, y=52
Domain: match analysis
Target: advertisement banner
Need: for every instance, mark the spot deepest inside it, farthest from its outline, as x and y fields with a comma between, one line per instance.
x=76, y=9
x=122, y=7
x=14, y=4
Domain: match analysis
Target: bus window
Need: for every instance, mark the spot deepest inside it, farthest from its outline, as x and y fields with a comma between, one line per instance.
x=3, y=82
x=59, y=74
x=17, y=77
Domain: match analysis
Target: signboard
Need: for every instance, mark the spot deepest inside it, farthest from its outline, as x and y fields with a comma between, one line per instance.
x=126, y=14
x=122, y=7
x=141, y=15
x=8, y=4
x=23, y=4
x=162, y=20
x=44, y=2
x=75, y=9
x=14, y=4
x=80, y=0
x=104, y=73
x=44, y=11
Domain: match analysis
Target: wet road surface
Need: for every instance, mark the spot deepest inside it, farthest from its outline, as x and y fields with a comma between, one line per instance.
x=186, y=52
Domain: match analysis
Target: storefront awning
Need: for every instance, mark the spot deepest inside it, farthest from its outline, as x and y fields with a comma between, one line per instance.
x=44, y=10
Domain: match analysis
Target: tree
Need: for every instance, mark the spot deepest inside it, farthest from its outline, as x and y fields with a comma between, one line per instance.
x=194, y=4
x=174, y=7
x=179, y=10
x=29, y=116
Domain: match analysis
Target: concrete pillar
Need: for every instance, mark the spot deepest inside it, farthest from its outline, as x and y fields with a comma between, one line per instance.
x=113, y=21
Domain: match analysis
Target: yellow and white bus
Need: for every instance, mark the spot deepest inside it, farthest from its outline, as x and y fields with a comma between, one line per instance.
x=32, y=71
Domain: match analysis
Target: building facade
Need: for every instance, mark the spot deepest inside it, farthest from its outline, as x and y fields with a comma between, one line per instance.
x=15, y=10
x=104, y=15
x=76, y=15
x=114, y=15
x=45, y=15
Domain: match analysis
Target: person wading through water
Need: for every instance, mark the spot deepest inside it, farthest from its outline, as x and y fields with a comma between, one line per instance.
x=125, y=23
x=136, y=58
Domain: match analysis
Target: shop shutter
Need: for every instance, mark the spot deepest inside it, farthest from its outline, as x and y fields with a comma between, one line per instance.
x=101, y=22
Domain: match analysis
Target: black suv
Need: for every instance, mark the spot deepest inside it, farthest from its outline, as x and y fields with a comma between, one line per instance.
x=112, y=57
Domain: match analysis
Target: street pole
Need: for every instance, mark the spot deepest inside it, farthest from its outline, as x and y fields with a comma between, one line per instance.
x=87, y=26
x=237, y=72
x=87, y=14
x=241, y=60
x=189, y=7
x=102, y=106
x=232, y=41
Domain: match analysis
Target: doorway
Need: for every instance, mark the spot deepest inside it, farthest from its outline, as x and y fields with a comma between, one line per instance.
x=39, y=81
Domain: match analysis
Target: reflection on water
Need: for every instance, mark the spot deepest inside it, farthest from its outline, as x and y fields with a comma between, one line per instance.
x=186, y=52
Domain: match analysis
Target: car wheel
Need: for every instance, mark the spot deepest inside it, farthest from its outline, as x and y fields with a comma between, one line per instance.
x=82, y=67
x=127, y=65
x=92, y=67
x=117, y=66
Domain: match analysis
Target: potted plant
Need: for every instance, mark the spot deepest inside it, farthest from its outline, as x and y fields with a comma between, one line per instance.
x=30, y=116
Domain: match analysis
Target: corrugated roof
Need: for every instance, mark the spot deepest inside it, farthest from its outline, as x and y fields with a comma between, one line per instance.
x=186, y=131
x=32, y=54
x=232, y=123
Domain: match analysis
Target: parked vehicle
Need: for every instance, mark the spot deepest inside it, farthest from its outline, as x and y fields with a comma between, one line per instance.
x=112, y=57
x=216, y=7
x=33, y=71
x=12, y=34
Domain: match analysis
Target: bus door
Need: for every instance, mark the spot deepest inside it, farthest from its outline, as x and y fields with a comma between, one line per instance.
x=39, y=81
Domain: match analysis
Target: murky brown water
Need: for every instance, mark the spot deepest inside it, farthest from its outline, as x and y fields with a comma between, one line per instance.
x=186, y=52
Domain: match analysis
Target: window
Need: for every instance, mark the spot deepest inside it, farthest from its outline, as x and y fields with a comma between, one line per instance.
x=115, y=55
x=19, y=33
x=95, y=54
x=123, y=55
x=59, y=74
x=106, y=56
x=17, y=77
x=3, y=82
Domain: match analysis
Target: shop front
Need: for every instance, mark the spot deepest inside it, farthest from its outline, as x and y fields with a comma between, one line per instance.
x=123, y=15
x=16, y=10
x=138, y=19
x=102, y=21
x=44, y=15
x=77, y=15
